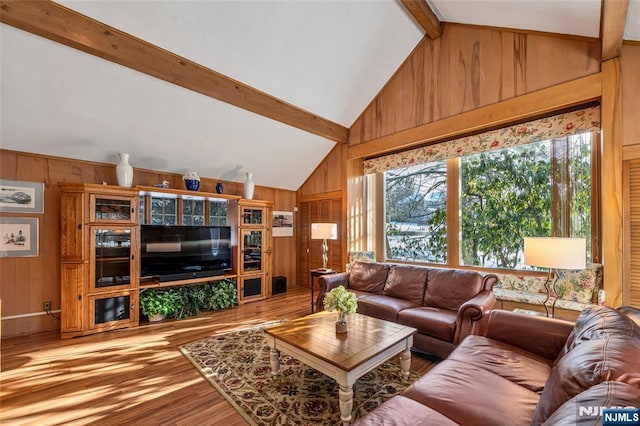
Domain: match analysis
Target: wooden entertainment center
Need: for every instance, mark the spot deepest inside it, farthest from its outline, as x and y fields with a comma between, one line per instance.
x=100, y=248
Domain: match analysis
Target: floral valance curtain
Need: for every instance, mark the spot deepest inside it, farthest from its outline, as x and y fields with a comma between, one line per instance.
x=585, y=120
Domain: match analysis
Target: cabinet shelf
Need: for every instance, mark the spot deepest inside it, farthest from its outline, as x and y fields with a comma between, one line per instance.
x=157, y=284
x=112, y=259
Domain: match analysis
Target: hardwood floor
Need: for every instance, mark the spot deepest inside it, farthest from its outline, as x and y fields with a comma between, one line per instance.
x=136, y=376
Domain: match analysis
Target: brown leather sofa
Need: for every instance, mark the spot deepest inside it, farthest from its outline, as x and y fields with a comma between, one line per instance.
x=444, y=305
x=527, y=370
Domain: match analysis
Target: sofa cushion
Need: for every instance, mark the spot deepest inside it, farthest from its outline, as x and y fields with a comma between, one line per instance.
x=613, y=358
x=434, y=322
x=521, y=296
x=406, y=282
x=368, y=277
x=597, y=322
x=511, y=362
x=579, y=285
x=360, y=294
x=472, y=395
x=450, y=288
x=605, y=394
x=383, y=307
x=526, y=283
x=403, y=411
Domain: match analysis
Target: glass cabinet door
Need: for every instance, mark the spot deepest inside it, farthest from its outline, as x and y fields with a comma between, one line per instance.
x=252, y=216
x=252, y=251
x=106, y=208
x=112, y=258
x=218, y=212
x=164, y=211
x=192, y=212
x=113, y=310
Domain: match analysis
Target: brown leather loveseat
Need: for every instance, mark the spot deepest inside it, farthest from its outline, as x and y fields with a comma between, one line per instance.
x=444, y=305
x=527, y=370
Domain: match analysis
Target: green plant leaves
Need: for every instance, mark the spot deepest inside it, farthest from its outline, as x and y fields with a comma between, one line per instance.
x=187, y=301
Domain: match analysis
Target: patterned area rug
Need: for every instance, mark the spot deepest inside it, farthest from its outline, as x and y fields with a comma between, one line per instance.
x=237, y=364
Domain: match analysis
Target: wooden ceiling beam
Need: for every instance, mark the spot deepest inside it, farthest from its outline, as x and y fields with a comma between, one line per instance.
x=55, y=22
x=613, y=19
x=424, y=16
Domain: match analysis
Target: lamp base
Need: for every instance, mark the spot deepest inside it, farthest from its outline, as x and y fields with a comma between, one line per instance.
x=325, y=256
x=550, y=287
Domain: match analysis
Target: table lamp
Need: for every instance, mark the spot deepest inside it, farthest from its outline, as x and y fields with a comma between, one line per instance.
x=554, y=253
x=324, y=232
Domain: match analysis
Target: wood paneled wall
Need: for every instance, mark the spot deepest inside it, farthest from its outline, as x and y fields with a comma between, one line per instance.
x=630, y=70
x=469, y=67
x=329, y=175
x=25, y=283
x=327, y=179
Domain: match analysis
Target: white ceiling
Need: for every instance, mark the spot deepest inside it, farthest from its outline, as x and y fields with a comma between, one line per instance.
x=328, y=57
x=577, y=17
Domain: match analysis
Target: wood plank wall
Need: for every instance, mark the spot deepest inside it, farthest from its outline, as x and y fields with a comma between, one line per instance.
x=25, y=283
x=329, y=175
x=328, y=178
x=630, y=70
x=469, y=67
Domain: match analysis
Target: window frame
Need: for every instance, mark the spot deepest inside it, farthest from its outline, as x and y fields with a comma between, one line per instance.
x=453, y=214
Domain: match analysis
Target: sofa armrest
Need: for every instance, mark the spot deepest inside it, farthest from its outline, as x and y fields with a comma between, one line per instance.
x=328, y=282
x=489, y=281
x=540, y=335
x=472, y=313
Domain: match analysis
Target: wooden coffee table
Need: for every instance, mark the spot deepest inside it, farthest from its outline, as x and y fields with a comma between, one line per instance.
x=343, y=357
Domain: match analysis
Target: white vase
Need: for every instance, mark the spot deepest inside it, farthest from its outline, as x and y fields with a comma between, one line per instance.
x=249, y=186
x=124, y=171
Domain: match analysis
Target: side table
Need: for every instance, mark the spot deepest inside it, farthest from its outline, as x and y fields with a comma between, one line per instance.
x=318, y=273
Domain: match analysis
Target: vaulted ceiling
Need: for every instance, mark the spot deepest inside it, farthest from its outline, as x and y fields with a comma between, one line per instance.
x=316, y=65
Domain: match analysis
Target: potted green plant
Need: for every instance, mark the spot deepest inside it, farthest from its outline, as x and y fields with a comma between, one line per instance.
x=157, y=304
x=343, y=301
x=221, y=295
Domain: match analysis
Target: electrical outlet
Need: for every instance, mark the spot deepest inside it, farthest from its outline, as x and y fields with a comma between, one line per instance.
x=46, y=306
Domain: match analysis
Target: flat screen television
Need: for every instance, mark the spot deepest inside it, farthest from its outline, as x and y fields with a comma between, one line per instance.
x=169, y=253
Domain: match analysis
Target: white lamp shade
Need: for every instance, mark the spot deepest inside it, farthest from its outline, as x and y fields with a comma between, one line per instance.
x=324, y=231
x=555, y=253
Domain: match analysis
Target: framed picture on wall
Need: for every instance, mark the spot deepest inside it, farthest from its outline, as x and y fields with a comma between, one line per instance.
x=21, y=197
x=18, y=236
x=282, y=224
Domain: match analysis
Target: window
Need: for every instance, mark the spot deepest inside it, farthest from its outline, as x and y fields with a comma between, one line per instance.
x=535, y=189
x=471, y=201
x=416, y=213
x=538, y=189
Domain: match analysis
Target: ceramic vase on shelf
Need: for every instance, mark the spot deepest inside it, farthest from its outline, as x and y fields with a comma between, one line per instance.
x=219, y=188
x=191, y=181
x=124, y=171
x=249, y=186
x=341, y=323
